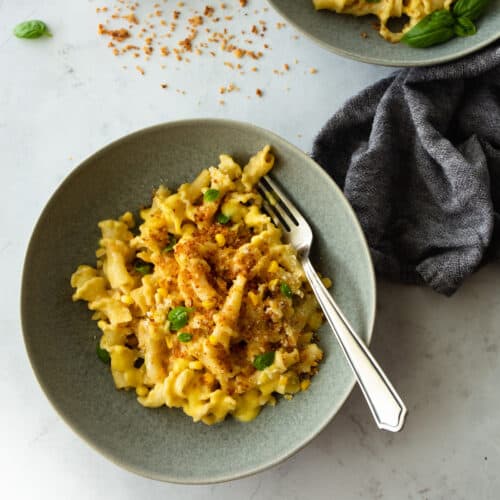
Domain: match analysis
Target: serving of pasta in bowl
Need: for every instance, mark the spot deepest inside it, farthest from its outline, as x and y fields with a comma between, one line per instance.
x=396, y=32
x=175, y=330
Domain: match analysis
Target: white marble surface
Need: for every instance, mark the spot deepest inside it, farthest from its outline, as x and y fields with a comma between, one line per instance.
x=65, y=97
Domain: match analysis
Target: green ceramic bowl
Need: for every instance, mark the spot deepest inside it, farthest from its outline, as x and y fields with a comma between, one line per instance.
x=60, y=336
x=342, y=34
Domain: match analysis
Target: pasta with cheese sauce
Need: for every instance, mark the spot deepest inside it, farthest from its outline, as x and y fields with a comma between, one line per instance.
x=416, y=10
x=205, y=309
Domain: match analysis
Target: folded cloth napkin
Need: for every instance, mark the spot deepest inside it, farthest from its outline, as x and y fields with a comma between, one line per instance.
x=418, y=156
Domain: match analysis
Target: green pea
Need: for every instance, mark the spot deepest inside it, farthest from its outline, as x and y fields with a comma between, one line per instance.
x=179, y=317
x=286, y=290
x=143, y=267
x=172, y=240
x=184, y=337
x=222, y=218
x=102, y=354
x=211, y=195
x=262, y=361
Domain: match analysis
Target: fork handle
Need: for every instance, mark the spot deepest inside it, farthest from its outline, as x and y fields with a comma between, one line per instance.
x=385, y=404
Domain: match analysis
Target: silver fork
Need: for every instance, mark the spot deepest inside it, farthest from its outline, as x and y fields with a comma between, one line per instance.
x=385, y=404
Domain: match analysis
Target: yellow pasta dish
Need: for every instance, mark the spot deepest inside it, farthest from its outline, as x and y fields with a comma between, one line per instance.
x=205, y=308
x=415, y=10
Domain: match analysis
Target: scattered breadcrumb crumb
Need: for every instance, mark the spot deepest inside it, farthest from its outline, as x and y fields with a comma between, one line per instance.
x=131, y=18
x=192, y=30
x=119, y=35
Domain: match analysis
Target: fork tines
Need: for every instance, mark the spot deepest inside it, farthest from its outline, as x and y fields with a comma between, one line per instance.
x=277, y=205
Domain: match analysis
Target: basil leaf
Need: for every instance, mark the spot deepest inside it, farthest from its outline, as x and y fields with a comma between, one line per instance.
x=286, y=290
x=464, y=27
x=172, y=240
x=435, y=28
x=179, y=317
x=102, y=354
x=31, y=29
x=373, y=1
x=143, y=267
x=471, y=9
x=223, y=219
x=211, y=195
x=184, y=337
x=263, y=360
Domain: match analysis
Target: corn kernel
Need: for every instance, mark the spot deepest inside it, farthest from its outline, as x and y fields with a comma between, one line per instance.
x=208, y=304
x=122, y=359
x=271, y=199
x=212, y=339
x=195, y=365
x=159, y=317
x=162, y=292
x=254, y=298
x=142, y=391
x=305, y=384
x=305, y=338
x=130, y=377
x=327, y=282
x=315, y=320
x=127, y=299
x=188, y=229
x=273, y=267
x=220, y=239
x=281, y=386
x=273, y=284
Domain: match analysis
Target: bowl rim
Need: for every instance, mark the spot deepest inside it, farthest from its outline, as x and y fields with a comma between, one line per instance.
x=206, y=122
x=381, y=61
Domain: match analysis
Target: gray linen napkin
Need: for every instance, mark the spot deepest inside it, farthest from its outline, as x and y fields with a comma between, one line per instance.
x=418, y=156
